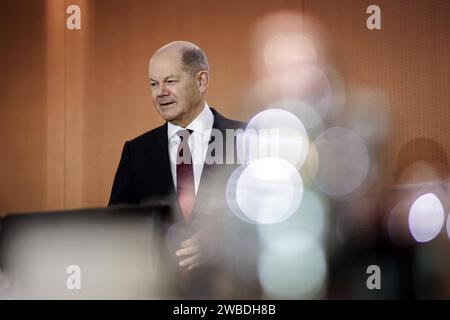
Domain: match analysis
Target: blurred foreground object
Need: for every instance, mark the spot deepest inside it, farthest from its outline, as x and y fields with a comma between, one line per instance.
x=84, y=254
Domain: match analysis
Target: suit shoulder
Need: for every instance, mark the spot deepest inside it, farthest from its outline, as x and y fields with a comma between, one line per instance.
x=235, y=124
x=228, y=123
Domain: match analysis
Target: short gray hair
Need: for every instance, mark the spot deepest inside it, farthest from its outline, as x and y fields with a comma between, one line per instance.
x=194, y=60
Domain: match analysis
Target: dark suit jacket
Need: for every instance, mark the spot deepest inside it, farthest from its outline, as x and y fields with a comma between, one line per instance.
x=144, y=173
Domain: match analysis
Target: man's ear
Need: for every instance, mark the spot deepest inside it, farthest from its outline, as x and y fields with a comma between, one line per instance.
x=203, y=80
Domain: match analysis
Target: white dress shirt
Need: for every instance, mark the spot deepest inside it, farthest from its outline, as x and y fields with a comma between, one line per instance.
x=198, y=143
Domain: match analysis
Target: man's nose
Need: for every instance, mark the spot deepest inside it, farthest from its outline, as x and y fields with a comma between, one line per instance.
x=162, y=91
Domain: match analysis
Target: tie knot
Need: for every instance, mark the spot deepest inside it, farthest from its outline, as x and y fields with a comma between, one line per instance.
x=184, y=134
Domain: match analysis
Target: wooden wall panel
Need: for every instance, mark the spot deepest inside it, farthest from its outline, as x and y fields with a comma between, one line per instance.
x=54, y=107
x=75, y=73
x=64, y=106
x=22, y=92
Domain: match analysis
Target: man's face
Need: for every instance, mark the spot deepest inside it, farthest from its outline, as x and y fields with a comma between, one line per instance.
x=175, y=91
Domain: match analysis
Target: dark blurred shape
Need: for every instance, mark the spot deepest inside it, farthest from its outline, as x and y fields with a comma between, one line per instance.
x=118, y=253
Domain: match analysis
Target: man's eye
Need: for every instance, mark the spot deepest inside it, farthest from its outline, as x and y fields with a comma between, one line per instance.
x=171, y=81
x=153, y=85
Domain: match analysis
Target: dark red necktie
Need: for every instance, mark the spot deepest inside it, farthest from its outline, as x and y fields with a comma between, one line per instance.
x=185, y=175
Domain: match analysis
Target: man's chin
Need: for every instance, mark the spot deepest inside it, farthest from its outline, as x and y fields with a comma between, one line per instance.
x=168, y=115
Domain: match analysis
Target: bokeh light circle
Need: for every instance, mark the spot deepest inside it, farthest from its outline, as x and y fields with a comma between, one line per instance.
x=268, y=190
x=275, y=133
x=343, y=161
x=426, y=217
x=292, y=267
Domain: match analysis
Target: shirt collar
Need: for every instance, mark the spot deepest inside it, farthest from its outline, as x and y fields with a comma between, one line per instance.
x=200, y=124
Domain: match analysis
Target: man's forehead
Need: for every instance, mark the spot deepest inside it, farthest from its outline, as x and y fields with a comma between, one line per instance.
x=169, y=53
x=164, y=65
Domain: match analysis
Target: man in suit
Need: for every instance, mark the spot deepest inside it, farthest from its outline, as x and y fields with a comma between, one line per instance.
x=170, y=162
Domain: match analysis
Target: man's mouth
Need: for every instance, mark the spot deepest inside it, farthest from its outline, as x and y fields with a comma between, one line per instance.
x=166, y=103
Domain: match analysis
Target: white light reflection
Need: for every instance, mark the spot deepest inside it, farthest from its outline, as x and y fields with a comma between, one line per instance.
x=275, y=133
x=426, y=217
x=343, y=161
x=304, y=111
x=231, y=195
x=268, y=191
x=292, y=267
x=308, y=220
